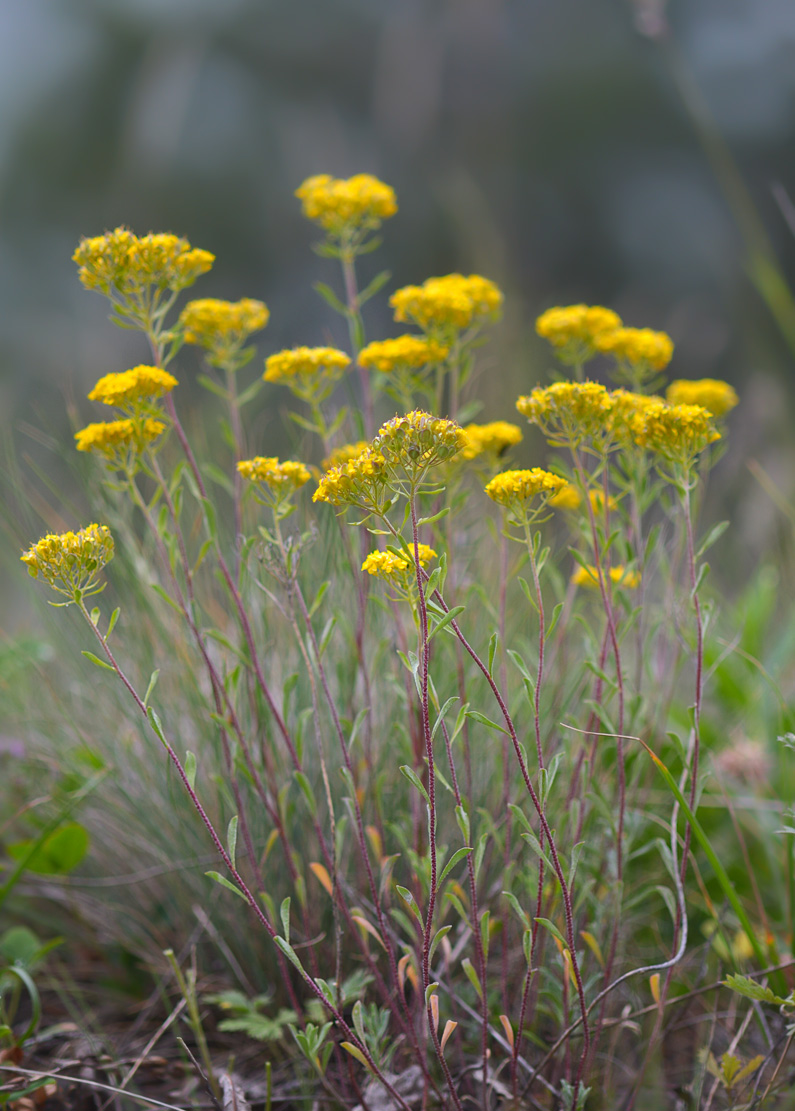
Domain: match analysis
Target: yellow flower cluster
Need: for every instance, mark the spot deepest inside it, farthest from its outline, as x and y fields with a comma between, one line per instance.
x=131, y=388
x=419, y=440
x=451, y=302
x=127, y=262
x=361, y=202
x=568, y=411
x=568, y=497
x=625, y=407
x=576, y=325
x=620, y=576
x=305, y=363
x=110, y=438
x=636, y=346
x=490, y=439
x=342, y=454
x=269, y=470
x=677, y=432
x=409, y=352
x=69, y=561
x=513, y=488
x=719, y=397
x=222, y=327
x=390, y=565
x=359, y=481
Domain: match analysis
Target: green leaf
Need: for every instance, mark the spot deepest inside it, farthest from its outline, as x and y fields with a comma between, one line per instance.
x=231, y=838
x=456, y=858
x=472, y=976
x=114, y=617
x=58, y=854
x=483, y=720
x=415, y=780
x=410, y=902
x=712, y=536
x=96, y=660
x=370, y=290
x=152, y=685
x=443, y=622
x=443, y=932
x=493, y=642
x=431, y=520
x=190, y=769
x=284, y=914
x=349, y=1047
x=752, y=990
x=224, y=882
x=553, y=929
x=330, y=297
x=289, y=952
x=557, y=611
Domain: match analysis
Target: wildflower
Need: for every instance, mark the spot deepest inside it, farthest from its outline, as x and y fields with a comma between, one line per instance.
x=305, y=364
x=637, y=346
x=112, y=438
x=419, y=440
x=573, y=330
x=120, y=260
x=677, y=432
x=361, y=481
x=449, y=303
x=516, y=488
x=620, y=576
x=359, y=203
x=568, y=497
x=70, y=561
x=597, y=500
x=269, y=470
x=719, y=397
x=490, y=439
x=389, y=565
x=342, y=454
x=222, y=327
x=404, y=352
x=132, y=388
x=626, y=404
x=568, y=412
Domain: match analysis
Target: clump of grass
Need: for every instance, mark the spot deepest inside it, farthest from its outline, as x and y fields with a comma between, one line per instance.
x=441, y=726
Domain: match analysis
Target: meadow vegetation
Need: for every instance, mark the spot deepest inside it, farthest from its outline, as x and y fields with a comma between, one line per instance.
x=474, y=783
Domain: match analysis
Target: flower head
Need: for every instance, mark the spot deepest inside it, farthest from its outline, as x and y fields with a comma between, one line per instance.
x=573, y=330
x=288, y=475
x=490, y=439
x=514, y=489
x=123, y=261
x=620, y=576
x=719, y=397
x=677, y=432
x=403, y=352
x=115, y=438
x=626, y=404
x=637, y=346
x=340, y=206
x=360, y=481
x=449, y=303
x=391, y=566
x=568, y=497
x=419, y=440
x=343, y=454
x=568, y=412
x=70, y=561
x=222, y=327
x=132, y=389
x=305, y=365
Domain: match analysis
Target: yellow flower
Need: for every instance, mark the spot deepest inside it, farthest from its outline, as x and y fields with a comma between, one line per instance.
x=127, y=262
x=361, y=202
x=597, y=500
x=515, y=488
x=390, y=565
x=637, y=346
x=222, y=327
x=132, y=387
x=70, y=561
x=677, y=432
x=573, y=330
x=342, y=454
x=719, y=397
x=409, y=352
x=360, y=481
x=305, y=363
x=620, y=576
x=568, y=412
x=110, y=438
x=568, y=497
x=492, y=439
x=451, y=302
x=419, y=440
x=278, y=475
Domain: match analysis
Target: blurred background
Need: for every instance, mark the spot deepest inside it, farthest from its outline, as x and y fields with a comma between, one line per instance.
x=635, y=154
